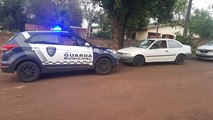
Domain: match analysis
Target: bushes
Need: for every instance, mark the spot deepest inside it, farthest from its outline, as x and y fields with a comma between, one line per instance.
x=188, y=40
x=185, y=40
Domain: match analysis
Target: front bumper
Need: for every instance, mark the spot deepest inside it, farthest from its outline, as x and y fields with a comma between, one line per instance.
x=206, y=56
x=127, y=59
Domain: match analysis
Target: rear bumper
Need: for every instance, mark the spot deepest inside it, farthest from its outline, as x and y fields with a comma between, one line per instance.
x=188, y=55
x=7, y=68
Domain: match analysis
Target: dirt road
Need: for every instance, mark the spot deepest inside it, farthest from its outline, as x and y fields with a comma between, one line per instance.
x=160, y=91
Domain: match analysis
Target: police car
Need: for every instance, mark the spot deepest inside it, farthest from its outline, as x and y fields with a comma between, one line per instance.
x=31, y=53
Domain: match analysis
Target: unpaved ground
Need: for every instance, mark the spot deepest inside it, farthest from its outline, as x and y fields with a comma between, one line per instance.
x=153, y=92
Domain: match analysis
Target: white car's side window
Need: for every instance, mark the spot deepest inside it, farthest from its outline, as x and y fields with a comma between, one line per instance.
x=174, y=44
x=159, y=45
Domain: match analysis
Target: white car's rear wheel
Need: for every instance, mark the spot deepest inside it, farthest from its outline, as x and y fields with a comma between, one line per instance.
x=179, y=59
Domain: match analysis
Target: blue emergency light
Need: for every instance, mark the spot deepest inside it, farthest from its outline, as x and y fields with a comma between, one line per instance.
x=57, y=28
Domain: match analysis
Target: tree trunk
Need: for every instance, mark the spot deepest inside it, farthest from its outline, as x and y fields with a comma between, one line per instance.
x=198, y=42
x=186, y=26
x=88, y=30
x=118, y=33
x=157, y=30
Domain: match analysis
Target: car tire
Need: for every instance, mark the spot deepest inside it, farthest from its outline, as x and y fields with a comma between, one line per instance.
x=179, y=59
x=103, y=66
x=28, y=71
x=138, y=61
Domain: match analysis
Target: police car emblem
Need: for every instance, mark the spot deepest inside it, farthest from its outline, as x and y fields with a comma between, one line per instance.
x=51, y=51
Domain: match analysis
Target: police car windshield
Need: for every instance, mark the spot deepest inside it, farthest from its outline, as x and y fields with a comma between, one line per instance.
x=144, y=44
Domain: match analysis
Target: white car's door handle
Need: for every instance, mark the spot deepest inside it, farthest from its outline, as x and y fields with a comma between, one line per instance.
x=166, y=51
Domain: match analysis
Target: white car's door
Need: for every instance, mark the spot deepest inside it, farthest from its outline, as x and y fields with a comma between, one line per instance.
x=174, y=48
x=158, y=52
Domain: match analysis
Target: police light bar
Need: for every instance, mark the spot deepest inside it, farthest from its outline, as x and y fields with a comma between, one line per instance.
x=57, y=28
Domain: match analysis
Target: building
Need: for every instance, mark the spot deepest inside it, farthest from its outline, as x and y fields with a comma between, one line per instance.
x=164, y=31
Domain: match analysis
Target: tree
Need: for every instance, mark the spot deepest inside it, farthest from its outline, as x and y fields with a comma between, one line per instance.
x=162, y=13
x=106, y=28
x=62, y=12
x=201, y=23
x=12, y=14
x=122, y=12
x=41, y=14
x=91, y=12
x=188, y=14
x=68, y=13
x=180, y=11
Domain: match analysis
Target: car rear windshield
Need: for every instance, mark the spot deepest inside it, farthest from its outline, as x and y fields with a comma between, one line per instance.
x=10, y=41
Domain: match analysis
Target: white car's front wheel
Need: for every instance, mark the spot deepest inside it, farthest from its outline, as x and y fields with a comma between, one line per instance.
x=138, y=61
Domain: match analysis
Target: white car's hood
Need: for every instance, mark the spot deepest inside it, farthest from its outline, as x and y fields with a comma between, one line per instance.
x=207, y=47
x=129, y=49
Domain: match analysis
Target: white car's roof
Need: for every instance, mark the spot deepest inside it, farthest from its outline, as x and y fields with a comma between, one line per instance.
x=159, y=39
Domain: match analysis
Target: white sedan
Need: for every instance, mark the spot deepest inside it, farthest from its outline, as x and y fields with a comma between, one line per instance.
x=155, y=50
x=205, y=51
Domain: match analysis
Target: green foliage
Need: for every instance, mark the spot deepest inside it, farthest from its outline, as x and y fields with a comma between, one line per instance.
x=131, y=14
x=91, y=13
x=162, y=10
x=15, y=13
x=40, y=12
x=12, y=15
x=64, y=12
x=68, y=13
x=201, y=23
x=185, y=40
x=179, y=13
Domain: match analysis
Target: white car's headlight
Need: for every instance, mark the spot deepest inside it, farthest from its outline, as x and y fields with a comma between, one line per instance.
x=126, y=54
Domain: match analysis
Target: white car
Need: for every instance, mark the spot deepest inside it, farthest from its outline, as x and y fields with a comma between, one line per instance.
x=205, y=51
x=155, y=50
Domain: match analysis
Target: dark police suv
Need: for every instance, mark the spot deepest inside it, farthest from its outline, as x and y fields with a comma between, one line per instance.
x=31, y=53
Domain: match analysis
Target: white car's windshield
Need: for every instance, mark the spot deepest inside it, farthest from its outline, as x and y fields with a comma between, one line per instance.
x=144, y=44
x=210, y=43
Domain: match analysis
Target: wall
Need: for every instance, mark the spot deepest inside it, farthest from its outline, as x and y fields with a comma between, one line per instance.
x=167, y=30
x=4, y=37
x=141, y=35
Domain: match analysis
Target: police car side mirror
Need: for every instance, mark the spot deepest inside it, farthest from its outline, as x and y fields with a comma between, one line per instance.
x=87, y=45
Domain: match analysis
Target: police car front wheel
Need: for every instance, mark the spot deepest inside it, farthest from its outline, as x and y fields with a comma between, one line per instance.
x=103, y=66
x=28, y=71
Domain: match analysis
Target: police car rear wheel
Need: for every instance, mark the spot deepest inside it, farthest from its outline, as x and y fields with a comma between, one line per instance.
x=28, y=71
x=103, y=66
